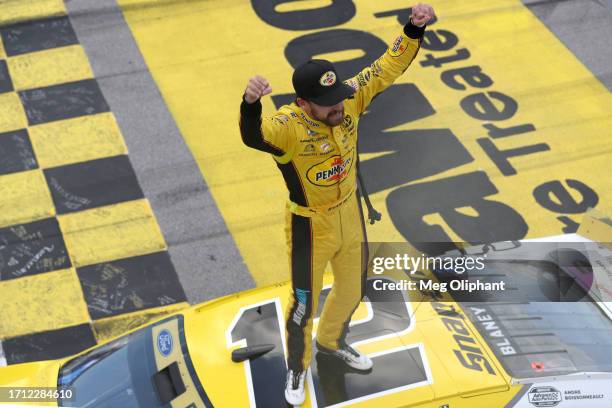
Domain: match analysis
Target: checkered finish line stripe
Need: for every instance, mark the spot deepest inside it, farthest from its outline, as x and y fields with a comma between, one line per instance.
x=82, y=257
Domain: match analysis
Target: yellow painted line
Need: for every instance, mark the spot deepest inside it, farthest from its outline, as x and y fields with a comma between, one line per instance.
x=13, y=11
x=12, y=115
x=49, y=67
x=112, y=232
x=568, y=106
x=41, y=302
x=2, y=52
x=24, y=197
x=108, y=328
x=77, y=140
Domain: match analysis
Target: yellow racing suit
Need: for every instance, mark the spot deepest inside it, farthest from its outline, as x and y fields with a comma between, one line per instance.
x=324, y=221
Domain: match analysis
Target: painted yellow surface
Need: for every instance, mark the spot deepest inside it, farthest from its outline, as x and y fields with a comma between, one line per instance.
x=54, y=300
x=201, y=60
x=76, y=140
x=24, y=197
x=12, y=11
x=49, y=67
x=12, y=115
x=111, y=232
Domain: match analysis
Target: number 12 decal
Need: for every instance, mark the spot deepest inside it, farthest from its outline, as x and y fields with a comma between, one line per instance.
x=331, y=382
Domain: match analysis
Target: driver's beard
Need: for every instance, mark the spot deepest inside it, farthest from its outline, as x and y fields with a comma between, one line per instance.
x=330, y=122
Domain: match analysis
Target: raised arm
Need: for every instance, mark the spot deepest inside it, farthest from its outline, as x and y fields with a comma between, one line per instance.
x=269, y=134
x=377, y=77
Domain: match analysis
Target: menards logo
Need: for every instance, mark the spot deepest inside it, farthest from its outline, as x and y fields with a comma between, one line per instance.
x=330, y=171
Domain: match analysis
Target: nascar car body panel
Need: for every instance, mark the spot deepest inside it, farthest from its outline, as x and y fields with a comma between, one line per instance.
x=37, y=374
x=409, y=344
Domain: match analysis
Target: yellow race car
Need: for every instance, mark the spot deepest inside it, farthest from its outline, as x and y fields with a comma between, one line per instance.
x=429, y=351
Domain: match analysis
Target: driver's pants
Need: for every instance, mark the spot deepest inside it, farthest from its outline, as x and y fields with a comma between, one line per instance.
x=312, y=242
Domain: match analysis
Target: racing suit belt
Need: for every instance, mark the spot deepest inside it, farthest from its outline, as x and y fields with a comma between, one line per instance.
x=320, y=209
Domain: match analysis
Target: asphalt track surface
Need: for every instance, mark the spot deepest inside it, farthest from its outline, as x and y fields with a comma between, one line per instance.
x=199, y=243
x=202, y=248
x=582, y=26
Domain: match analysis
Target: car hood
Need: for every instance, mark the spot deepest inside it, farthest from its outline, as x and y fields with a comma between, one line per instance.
x=422, y=351
x=37, y=374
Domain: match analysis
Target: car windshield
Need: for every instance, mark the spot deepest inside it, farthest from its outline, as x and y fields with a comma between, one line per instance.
x=127, y=372
x=115, y=375
x=543, y=338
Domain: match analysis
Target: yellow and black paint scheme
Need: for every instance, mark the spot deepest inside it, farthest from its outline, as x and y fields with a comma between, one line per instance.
x=78, y=238
x=312, y=155
x=324, y=222
x=427, y=353
x=496, y=131
x=500, y=42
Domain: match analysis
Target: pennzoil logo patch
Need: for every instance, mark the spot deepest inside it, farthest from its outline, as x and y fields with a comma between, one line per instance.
x=328, y=78
x=399, y=46
x=331, y=171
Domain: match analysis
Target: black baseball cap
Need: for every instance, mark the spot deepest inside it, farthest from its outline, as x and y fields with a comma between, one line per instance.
x=317, y=81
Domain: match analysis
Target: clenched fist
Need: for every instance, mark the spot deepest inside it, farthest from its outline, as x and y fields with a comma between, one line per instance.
x=257, y=87
x=421, y=14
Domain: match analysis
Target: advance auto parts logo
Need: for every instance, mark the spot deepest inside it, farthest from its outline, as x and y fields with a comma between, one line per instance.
x=544, y=396
x=330, y=171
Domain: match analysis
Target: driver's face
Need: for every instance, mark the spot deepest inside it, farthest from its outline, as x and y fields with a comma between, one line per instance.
x=330, y=115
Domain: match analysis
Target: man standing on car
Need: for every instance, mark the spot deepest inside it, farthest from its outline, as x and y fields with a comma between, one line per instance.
x=314, y=144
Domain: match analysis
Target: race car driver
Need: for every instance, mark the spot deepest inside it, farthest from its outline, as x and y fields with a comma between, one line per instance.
x=314, y=144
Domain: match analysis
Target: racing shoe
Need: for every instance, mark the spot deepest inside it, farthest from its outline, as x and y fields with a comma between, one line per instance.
x=350, y=356
x=294, y=387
